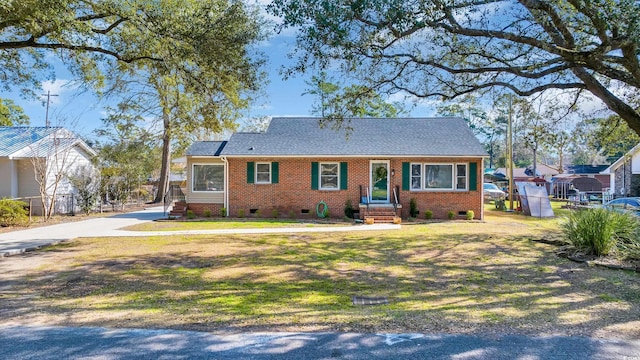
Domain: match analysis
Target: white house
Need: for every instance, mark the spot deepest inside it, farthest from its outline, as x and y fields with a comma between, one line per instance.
x=624, y=174
x=31, y=153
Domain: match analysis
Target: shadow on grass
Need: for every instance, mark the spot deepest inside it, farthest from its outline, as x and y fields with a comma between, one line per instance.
x=452, y=283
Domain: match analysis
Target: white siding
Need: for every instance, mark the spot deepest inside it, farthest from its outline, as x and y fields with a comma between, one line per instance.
x=201, y=197
x=635, y=163
x=27, y=185
x=5, y=178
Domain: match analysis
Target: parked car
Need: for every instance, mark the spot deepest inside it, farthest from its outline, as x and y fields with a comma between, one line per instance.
x=628, y=204
x=492, y=192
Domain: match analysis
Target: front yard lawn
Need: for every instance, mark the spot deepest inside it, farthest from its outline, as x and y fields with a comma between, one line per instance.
x=452, y=277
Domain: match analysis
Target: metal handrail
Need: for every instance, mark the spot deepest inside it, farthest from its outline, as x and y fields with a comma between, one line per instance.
x=395, y=201
x=173, y=194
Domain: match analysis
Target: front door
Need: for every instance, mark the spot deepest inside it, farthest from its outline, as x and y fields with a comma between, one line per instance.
x=379, y=180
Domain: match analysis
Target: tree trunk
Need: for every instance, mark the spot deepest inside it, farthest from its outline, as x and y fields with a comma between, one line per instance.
x=626, y=112
x=535, y=161
x=163, y=181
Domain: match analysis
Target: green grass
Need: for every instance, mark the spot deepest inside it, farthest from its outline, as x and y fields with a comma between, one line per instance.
x=215, y=224
x=451, y=277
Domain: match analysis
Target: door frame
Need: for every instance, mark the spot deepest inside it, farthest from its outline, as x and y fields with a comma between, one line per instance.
x=388, y=163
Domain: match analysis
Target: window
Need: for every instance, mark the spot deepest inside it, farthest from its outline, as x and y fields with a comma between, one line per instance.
x=263, y=173
x=416, y=176
x=329, y=175
x=438, y=177
x=208, y=177
x=461, y=176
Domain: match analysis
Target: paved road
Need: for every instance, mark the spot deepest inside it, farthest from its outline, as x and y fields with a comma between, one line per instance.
x=113, y=344
x=16, y=242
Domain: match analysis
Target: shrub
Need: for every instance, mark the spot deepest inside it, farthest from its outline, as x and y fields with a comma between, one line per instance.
x=428, y=214
x=348, y=209
x=241, y=213
x=191, y=214
x=13, y=213
x=223, y=212
x=451, y=215
x=599, y=231
x=258, y=213
x=470, y=214
x=207, y=213
x=292, y=214
x=275, y=214
x=413, y=207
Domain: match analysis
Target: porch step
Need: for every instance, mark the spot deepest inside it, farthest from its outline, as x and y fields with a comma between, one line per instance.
x=179, y=209
x=383, y=214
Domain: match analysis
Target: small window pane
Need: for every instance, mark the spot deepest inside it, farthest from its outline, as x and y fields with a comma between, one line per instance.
x=438, y=176
x=208, y=177
x=461, y=176
x=263, y=173
x=416, y=176
x=329, y=176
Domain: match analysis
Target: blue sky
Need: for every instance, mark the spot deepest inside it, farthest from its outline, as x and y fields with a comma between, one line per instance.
x=82, y=109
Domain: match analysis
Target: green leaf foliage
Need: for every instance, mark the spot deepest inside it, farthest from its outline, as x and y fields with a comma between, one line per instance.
x=12, y=114
x=599, y=231
x=13, y=213
x=448, y=49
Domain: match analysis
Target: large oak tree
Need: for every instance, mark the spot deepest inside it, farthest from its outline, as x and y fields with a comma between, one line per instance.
x=190, y=61
x=448, y=48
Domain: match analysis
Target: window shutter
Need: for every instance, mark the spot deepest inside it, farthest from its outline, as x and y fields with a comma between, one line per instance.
x=251, y=167
x=406, y=176
x=473, y=176
x=314, y=176
x=275, y=172
x=343, y=176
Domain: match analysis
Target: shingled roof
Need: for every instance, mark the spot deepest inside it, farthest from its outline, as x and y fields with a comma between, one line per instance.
x=439, y=137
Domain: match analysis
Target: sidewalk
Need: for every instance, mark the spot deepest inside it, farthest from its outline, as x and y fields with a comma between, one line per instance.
x=16, y=242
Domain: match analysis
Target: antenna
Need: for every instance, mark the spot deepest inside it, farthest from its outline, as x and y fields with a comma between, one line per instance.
x=46, y=118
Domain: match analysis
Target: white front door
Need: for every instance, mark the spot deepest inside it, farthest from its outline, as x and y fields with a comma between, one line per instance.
x=379, y=181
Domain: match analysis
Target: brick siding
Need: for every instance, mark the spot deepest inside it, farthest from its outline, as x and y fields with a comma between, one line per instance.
x=293, y=194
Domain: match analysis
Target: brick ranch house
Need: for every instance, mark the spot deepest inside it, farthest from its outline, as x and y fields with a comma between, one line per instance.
x=377, y=164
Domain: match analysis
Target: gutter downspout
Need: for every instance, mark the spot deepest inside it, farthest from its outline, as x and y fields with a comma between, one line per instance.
x=226, y=184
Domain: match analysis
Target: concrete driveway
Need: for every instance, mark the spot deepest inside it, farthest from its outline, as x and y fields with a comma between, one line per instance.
x=16, y=242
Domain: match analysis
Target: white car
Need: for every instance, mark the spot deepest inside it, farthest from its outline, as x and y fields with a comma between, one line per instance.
x=492, y=192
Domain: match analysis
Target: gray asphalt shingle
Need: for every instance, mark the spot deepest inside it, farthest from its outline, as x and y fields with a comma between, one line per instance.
x=445, y=136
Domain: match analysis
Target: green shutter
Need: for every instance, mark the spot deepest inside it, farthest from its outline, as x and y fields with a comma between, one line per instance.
x=473, y=176
x=275, y=172
x=406, y=176
x=343, y=176
x=251, y=167
x=314, y=176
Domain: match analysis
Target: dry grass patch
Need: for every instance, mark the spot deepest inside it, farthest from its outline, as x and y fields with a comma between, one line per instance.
x=454, y=277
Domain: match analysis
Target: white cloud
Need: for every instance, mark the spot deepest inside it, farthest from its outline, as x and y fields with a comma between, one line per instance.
x=56, y=89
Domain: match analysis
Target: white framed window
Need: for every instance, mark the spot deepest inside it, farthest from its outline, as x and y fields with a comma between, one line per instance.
x=461, y=177
x=329, y=176
x=439, y=177
x=208, y=177
x=416, y=176
x=263, y=173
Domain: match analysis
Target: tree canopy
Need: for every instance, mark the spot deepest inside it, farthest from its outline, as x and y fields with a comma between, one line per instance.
x=452, y=48
x=12, y=114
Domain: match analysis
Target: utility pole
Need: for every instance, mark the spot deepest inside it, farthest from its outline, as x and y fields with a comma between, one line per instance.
x=46, y=118
x=510, y=152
